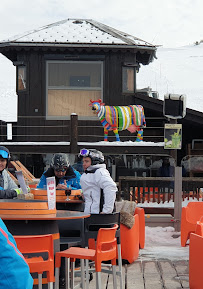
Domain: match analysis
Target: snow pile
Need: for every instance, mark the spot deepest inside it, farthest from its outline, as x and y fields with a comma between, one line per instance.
x=163, y=243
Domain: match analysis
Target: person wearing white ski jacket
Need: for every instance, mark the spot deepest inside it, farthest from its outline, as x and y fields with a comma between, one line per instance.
x=99, y=189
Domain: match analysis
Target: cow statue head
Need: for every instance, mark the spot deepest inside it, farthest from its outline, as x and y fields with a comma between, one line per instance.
x=96, y=105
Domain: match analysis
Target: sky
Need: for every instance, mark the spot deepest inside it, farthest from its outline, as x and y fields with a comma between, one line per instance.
x=168, y=23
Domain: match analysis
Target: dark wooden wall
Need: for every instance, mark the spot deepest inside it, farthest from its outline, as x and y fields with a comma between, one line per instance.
x=33, y=126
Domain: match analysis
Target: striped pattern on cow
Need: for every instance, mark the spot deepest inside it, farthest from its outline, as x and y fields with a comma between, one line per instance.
x=121, y=117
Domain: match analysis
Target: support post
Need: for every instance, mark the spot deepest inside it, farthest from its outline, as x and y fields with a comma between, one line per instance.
x=113, y=174
x=177, y=198
x=73, y=133
x=174, y=153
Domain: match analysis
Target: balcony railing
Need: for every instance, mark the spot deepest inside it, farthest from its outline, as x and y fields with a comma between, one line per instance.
x=158, y=189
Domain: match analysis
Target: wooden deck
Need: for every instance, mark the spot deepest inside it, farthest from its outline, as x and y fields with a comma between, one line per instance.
x=151, y=274
x=158, y=274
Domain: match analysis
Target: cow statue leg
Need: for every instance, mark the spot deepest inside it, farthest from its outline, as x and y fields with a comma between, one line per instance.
x=116, y=134
x=105, y=134
x=139, y=135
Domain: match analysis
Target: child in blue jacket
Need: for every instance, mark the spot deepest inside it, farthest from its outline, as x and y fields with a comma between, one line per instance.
x=14, y=271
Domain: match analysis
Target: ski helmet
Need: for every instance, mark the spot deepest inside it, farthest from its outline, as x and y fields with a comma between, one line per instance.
x=5, y=154
x=60, y=161
x=96, y=156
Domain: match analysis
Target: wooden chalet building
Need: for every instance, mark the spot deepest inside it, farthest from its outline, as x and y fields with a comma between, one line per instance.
x=59, y=68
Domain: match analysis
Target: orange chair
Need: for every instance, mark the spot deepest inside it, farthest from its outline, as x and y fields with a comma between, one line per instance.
x=199, y=227
x=38, y=244
x=141, y=214
x=130, y=241
x=190, y=215
x=195, y=261
x=106, y=246
x=92, y=225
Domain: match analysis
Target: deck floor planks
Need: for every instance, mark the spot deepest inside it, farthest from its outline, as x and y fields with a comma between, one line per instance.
x=151, y=274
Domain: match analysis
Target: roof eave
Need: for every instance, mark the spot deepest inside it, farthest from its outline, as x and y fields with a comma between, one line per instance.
x=75, y=45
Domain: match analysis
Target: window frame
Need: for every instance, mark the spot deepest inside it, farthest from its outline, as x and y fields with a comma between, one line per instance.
x=24, y=67
x=133, y=68
x=48, y=117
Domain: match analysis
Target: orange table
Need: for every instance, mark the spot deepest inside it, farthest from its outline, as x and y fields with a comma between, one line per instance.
x=73, y=204
x=60, y=215
x=19, y=223
x=33, y=218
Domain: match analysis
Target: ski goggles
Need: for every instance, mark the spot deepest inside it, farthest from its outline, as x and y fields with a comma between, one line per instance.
x=88, y=153
x=61, y=170
x=84, y=152
x=4, y=154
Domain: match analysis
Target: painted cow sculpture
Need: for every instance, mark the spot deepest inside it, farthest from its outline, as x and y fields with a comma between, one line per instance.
x=119, y=118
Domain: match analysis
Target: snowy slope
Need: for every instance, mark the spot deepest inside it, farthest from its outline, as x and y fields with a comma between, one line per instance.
x=8, y=97
x=177, y=70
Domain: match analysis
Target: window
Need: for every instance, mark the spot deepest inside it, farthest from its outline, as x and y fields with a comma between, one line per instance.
x=128, y=79
x=71, y=85
x=80, y=81
x=21, y=74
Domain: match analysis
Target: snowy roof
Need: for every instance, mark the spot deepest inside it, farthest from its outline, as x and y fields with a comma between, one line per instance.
x=79, y=32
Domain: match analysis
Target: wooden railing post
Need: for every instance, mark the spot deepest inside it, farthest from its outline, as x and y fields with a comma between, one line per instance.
x=73, y=133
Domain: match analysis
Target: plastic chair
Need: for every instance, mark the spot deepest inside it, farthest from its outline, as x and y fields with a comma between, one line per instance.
x=134, y=238
x=190, y=215
x=106, y=247
x=71, y=232
x=38, y=244
x=141, y=214
x=71, y=235
x=130, y=241
x=92, y=225
x=195, y=261
x=199, y=227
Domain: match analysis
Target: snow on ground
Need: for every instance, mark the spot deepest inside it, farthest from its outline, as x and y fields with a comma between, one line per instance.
x=99, y=143
x=166, y=204
x=163, y=243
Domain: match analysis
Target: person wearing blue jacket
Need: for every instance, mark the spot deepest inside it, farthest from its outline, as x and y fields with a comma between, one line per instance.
x=66, y=177
x=14, y=271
